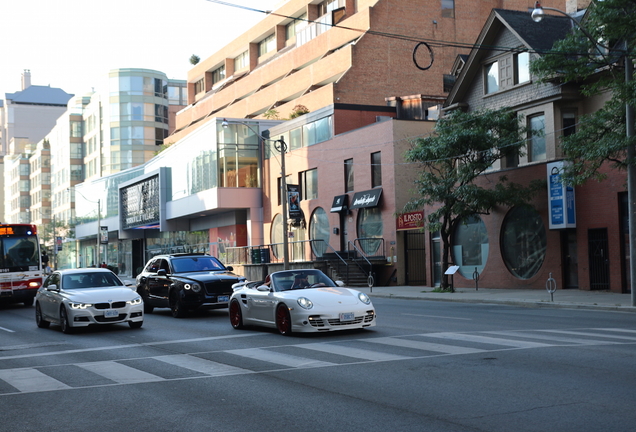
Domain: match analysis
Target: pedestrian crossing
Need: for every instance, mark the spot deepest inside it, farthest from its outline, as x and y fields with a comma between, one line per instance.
x=221, y=363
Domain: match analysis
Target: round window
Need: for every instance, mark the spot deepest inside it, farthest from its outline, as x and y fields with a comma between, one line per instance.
x=370, y=230
x=276, y=236
x=319, y=231
x=470, y=246
x=523, y=242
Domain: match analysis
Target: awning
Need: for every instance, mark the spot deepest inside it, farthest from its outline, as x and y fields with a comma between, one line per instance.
x=340, y=203
x=370, y=198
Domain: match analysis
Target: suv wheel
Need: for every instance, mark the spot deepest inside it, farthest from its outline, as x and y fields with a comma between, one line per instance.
x=176, y=306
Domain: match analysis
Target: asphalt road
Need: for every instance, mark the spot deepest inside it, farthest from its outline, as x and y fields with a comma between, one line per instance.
x=427, y=366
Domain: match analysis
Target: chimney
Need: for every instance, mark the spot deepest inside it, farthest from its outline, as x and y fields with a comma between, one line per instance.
x=26, y=79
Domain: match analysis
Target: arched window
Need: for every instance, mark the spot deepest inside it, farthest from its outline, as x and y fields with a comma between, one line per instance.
x=523, y=242
x=276, y=236
x=470, y=246
x=319, y=231
x=370, y=227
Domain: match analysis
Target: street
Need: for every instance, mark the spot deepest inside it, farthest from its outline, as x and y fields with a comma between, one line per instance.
x=427, y=366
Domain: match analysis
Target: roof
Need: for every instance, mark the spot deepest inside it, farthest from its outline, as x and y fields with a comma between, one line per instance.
x=40, y=95
x=536, y=37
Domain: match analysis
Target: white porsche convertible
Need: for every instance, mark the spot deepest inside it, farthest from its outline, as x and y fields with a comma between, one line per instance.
x=300, y=301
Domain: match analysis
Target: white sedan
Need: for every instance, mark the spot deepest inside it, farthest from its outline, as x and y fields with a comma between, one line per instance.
x=300, y=301
x=82, y=297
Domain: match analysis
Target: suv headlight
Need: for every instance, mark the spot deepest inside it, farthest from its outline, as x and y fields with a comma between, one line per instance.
x=195, y=287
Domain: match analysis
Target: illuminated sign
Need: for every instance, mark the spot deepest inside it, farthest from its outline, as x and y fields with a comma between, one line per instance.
x=140, y=203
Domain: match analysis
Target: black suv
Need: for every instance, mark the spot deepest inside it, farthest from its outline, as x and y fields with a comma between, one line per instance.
x=185, y=281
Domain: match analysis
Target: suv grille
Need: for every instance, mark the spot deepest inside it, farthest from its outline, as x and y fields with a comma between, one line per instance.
x=216, y=288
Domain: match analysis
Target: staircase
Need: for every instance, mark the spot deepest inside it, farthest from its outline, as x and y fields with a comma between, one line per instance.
x=352, y=274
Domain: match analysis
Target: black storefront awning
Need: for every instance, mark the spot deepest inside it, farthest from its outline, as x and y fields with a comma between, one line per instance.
x=370, y=198
x=340, y=203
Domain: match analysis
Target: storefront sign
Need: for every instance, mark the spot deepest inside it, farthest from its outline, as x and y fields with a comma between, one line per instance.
x=103, y=235
x=340, y=203
x=409, y=221
x=560, y=198
x=370, y=198
x=140, y=203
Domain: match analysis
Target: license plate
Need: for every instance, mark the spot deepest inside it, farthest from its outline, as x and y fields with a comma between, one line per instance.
x=349, y=316
x=111, y=313
x=223, y=299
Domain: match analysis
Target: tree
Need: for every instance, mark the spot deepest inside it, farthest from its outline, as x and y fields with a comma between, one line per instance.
x=600, y=138
x=194, y=59
x=456, y=159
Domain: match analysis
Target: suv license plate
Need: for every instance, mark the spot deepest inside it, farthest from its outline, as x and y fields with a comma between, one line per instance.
x=223, y=299
x=111, y=313
x=349, y=316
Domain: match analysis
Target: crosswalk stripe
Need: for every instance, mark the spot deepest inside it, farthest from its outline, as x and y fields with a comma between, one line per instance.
x=278, y=358
x=198, y=364
x=351, y=352
x=486, y=339
x=426, y=346
x=576, y=341
x=31, y=380
x=119, y=373
x=606, y=335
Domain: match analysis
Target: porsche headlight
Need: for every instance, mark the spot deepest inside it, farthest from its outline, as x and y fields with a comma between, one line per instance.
x=80, y=305
x=193, y=286
x=134, y=302
x=305, y=303
x=364, y=298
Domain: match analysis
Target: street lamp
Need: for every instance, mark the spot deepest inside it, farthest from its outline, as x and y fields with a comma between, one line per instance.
x=537, y=15
x=281, y=147
x=99, y=222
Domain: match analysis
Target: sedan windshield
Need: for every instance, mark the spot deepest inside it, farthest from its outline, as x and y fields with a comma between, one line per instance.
x=90, y=280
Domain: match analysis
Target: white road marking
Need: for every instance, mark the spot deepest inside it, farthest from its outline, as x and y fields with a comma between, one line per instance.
x=198, y=364
x=425, y=346
x=485, y=339
x=278, y=358
x=576, y=341
x=438, y=316
x=119, y=373
x=31, y=380
x=351, y=352
x=590, y=334
x=7, y=330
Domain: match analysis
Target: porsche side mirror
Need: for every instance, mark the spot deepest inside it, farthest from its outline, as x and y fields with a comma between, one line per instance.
x=263, y=288
x=340, y=283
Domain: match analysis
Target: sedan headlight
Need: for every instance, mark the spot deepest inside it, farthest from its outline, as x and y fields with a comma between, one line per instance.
x=305, y=303
x=193, y=286
x=135, y=302
x=364, y=298
x=80, y=305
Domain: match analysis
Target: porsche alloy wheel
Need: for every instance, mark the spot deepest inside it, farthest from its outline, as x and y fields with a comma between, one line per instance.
x=236, y=317
x=283, y=320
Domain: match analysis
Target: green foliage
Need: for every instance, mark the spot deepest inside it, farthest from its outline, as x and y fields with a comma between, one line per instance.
x=297, y=111
x=601, y=136
x=463, y=150
x=194, y=59
x=271, y=114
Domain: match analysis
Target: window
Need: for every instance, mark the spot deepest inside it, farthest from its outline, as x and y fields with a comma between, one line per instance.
x=376, y=169
x=568, y=121
x=448, y=8
x=267, y=45
x=536, y=139
x=522, y=67
x=348, y=175
x=492, y=77
x=295, y=26
x=328, y=6
x=470, y=246
x=523, y=242
x=319, y=231
x=218, y=74
x=276, y=236
x=198, y=86
x=241, y=61
x=309, y=184
x=370, y=230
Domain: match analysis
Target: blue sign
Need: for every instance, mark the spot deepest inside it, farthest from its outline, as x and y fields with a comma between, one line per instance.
x=560, y=198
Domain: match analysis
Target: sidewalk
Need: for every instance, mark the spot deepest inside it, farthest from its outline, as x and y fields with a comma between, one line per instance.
x=571, y=298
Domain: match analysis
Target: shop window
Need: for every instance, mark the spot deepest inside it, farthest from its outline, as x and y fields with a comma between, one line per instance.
x=370, y=230
x=470, y=246
x=319, y=231
x=348, y=175
x=523, y=242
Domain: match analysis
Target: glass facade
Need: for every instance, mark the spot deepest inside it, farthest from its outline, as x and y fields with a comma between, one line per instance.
x=470, y=246
x=523, y=242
